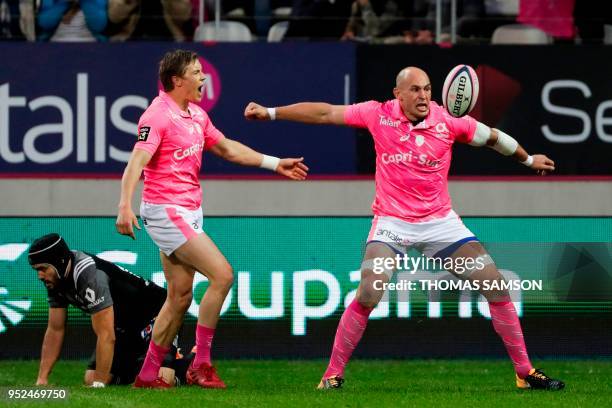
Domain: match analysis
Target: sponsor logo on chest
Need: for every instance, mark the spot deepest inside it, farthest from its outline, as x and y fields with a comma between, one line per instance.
x=195, y=148
x=410, y=157
x=385, y=121
x=442, y=131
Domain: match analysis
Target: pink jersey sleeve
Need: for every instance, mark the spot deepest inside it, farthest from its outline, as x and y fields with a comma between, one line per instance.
x=212, y=135
x=150, y=133
x=462, y=128
x=359, y=114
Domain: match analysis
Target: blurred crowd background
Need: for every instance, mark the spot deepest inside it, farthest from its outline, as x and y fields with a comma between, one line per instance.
x=369, y=21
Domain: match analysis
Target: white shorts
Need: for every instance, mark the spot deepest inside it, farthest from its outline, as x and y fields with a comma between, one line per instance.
x=435, y=238
x=170, y=226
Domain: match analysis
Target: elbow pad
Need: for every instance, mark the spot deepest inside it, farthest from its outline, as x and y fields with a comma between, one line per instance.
x=481, y=135
x=506, y=144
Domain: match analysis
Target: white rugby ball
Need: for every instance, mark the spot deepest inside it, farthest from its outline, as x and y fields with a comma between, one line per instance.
x=460, y=91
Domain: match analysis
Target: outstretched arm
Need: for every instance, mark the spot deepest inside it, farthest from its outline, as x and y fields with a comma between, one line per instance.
x=508, y=146
x=317, y=113
x=238, y=153
x=52, y=343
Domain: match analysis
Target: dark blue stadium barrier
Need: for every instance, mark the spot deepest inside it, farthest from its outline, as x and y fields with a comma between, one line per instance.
x=554, y=100
x=95, y=94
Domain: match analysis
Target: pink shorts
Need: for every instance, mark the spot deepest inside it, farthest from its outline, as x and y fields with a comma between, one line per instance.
x=170, y=226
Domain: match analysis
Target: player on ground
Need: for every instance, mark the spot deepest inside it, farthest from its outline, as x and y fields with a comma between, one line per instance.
x=413, y=137
x=122, y=306
x=172, y=134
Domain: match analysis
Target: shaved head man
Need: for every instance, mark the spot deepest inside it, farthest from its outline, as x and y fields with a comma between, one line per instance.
x=413, y=137
x=413, y=91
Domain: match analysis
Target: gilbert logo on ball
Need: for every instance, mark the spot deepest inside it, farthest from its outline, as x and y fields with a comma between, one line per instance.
x=460, y=91
x=211, y=90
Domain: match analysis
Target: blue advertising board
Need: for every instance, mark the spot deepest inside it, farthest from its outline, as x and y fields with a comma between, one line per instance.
x=73, y=108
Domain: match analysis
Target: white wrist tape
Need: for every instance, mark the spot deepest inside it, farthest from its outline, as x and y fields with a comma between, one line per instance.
x=506, y=144
x=481, y=135
x=269, y=162
x=98, y=384
x=528, y=162
x=272, y=113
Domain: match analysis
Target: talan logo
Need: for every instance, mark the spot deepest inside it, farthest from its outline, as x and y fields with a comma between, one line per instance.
x=385, y=121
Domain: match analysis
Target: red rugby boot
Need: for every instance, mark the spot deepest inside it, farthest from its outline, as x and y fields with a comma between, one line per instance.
x=158, y=383
x=205, y=376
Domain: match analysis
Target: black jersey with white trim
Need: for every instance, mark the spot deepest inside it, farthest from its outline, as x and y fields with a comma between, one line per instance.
x=94, y=284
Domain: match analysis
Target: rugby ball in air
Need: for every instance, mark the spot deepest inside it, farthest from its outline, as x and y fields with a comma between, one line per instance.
x=460, y=91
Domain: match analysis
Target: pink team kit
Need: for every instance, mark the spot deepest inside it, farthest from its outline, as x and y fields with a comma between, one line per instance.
x=171, y=201
x=412, y=206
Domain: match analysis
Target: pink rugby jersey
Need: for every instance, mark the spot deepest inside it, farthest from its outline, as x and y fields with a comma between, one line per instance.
x=412, y=161
x=176, y=140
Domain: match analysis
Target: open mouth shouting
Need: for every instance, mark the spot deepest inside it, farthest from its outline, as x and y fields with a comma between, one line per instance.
x=422, y=107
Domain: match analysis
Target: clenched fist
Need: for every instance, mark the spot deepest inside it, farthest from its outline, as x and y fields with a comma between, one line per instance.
x=254, y=111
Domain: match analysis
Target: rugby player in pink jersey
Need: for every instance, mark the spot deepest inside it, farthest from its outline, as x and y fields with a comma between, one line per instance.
x=172, y=134
x=413, y=137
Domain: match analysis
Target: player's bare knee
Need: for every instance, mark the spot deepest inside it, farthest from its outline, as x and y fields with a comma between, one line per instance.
x=368, y=295
x=224, y=279
x=496, y=295
x=185, y=300
x=368, y=300
x=180, y=300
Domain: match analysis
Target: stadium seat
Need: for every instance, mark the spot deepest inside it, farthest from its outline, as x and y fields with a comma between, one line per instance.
x=229, y=31
x=237, y=12
x=520, y=34
x=282, y=12
x=607, y=34
x=277, y=31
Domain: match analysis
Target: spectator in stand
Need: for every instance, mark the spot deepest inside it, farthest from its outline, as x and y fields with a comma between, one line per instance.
x=372, y=20
x=16, y=20
x=155, y=20
x=72, y=20
x=480, y=18
x=475, y=18
x=123, y=16
x=177, y=15
x=556, y=18
x=319, y=19
x=426, y=27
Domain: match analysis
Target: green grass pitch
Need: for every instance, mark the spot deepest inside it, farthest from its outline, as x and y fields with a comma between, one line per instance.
x=370, y=383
